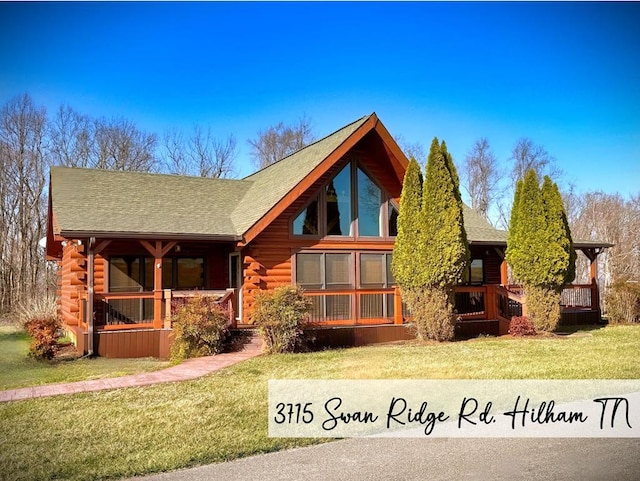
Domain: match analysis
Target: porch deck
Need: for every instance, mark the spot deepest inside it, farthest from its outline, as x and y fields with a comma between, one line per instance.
x=124, y=325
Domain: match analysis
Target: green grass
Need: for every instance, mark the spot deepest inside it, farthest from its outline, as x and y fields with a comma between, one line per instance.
x=223, y=416
x=18, y=370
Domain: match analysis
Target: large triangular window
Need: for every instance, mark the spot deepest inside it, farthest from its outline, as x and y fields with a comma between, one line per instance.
x=351, y=204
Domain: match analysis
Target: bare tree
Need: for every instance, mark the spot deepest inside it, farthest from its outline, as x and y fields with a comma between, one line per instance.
x=279, y=141
x=482, y=176
x=611, y=218
x=23, y=168
x=201, y=155
x=175, y=153
x=412, y=149
x=72, y=138
x=528, y=155
x=120, y=145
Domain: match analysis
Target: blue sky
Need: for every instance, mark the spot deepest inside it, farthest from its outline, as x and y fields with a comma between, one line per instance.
x=566, y=75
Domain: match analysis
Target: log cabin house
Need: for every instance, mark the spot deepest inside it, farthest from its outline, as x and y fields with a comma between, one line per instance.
x=127, y=243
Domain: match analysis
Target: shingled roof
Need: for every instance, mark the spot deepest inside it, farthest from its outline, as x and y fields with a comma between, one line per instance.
x=128, y=204
x=102, y=203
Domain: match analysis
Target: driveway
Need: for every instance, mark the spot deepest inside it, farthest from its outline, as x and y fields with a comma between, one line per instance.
x=434, y=460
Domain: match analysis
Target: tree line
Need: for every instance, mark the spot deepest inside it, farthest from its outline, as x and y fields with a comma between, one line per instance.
x=32, y=140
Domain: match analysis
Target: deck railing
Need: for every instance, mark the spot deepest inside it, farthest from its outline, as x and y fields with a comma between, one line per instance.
x=135, y=310
x=577, y=296
x=348, y=307
x=509, y=300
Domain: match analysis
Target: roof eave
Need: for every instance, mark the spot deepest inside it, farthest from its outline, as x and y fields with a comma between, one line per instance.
x=76, y=234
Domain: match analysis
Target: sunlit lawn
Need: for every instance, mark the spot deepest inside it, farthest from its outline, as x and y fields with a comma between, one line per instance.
x=223, y=416
x=17, y=370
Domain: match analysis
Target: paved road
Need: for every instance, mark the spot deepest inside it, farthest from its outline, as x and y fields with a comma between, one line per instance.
x=434, y=460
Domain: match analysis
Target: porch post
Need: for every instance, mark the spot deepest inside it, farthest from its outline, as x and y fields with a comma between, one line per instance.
x=490, y=303
x=397, y=306
x=504, y=273
x=595, y=292
x=157, y=287
x=158, y=252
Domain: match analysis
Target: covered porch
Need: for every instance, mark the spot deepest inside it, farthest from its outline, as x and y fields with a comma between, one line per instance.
x=132, y=286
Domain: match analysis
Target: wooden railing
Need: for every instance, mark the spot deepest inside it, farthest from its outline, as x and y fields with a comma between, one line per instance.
x=352, y=306
x=577, y=296
x=123, y=310
x=135, y=310
x=509, y=302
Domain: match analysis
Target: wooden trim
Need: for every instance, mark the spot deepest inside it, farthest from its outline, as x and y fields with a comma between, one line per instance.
x=124, y=327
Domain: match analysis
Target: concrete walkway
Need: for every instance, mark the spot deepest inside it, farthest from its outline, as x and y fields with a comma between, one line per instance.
x=189, y=369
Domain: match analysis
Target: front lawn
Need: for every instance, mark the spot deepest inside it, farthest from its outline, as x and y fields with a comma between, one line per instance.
x=17, y=370
x=223, y=416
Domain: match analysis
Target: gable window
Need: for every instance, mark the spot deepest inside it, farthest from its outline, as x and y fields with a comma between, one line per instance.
x=351, y=204
x=307, y=222
x=369, y=206
x=338, y=203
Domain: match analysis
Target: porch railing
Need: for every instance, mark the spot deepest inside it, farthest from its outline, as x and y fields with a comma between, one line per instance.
x=509, y=300
x=348, y=307
x=577, y=296
x=134, y=310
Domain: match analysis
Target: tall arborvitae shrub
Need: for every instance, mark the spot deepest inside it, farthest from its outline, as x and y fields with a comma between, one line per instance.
x=540, y=249
x=431, y=249
x=407, y=248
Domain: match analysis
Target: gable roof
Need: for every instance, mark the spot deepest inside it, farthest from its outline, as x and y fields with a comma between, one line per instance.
x=96, y=202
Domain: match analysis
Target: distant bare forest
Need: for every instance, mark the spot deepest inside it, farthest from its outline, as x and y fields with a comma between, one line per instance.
x=32, y=140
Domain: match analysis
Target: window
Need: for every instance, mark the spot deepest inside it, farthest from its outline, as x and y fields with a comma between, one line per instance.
x=309, y=271
x=392, y=221
x=474, y=274
x=369, y=203
x=375, y=271
x=130, y=274
x=338, y=203
x=324, y=271
x=350, y=204
x=307, y=221
x=135, y=274
x=189, y=272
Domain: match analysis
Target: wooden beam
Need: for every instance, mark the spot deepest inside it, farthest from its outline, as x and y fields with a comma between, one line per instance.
x=165, y=250
x=147, y=245
x=100, y=247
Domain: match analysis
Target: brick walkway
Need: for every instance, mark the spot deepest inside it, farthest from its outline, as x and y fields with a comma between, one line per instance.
x=189, y=369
